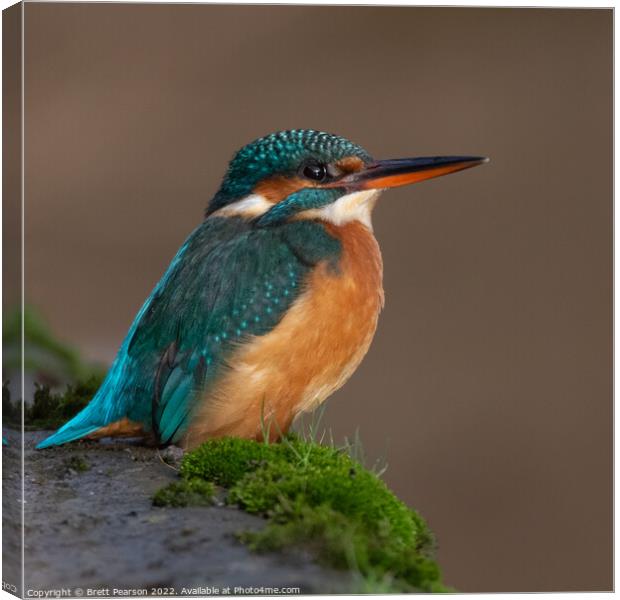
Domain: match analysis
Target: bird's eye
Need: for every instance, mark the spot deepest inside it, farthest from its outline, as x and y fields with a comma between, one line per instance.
x=315, y=171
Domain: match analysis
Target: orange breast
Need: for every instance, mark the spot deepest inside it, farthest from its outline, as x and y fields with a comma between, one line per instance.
x=311, y=353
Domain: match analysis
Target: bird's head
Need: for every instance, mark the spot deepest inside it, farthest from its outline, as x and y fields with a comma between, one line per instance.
x=307, y=174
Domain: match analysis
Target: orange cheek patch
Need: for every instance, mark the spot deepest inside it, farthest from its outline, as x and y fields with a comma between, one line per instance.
x=276, y=189
x=350, y=164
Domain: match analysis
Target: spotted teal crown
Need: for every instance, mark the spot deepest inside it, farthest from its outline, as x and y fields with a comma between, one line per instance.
x=280, y=153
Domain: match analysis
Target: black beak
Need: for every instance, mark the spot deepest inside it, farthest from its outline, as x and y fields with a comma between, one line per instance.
x=403, y=171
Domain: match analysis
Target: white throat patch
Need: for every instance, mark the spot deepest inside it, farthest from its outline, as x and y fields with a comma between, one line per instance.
x=254, y=205
x=356, y=206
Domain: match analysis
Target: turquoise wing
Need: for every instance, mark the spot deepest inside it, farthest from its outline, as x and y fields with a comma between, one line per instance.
x=230, y=280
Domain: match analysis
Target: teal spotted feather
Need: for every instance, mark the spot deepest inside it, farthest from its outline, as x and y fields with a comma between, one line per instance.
x=229, y=280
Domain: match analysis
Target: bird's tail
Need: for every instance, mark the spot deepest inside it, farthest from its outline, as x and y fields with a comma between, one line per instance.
x=68, y=433
x=90, y=419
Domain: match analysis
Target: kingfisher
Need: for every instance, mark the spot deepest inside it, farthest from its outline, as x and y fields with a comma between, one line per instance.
x=270, y=304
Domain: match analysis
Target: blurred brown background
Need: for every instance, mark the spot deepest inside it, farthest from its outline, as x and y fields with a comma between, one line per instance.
x=488, y=385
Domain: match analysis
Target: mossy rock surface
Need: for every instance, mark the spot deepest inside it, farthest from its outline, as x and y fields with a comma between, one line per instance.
x=318, y=498
x=189, y=492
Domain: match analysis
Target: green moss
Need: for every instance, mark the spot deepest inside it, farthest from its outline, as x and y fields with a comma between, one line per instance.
x=189, y=492
x=321, y=499
x=224, y=461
